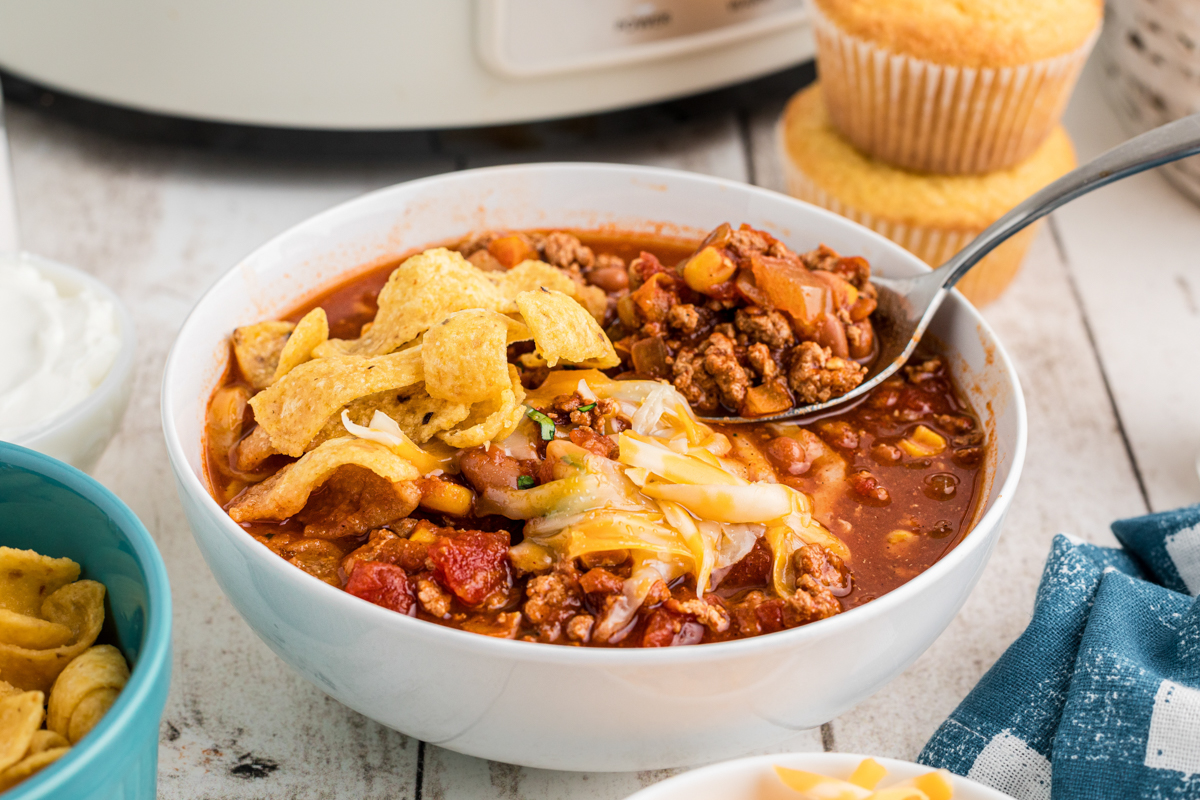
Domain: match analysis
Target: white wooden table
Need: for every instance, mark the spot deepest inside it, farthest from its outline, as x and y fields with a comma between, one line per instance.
x=1103, y=324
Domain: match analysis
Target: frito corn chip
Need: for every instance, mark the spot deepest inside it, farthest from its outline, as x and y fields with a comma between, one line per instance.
x=7, y=689
x=257, y=349
x=594, y=300
x=813, y=785
x=531, y=275
x=31, y=632
x=492, y=419
x=253, y=449
x=311, y=331
x=100, y=667
x=80, y=607
x=286, y=492
x=28, y=578
x=465, y=355
x=418, y=415
x=29, y=766
x=20, y=717
x=46, y=740
x=421, y=292
x=90, y=711
x=565, y=331
x=295, y=408
x=868, y=773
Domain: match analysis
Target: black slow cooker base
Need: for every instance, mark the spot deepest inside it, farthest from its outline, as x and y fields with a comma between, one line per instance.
x=743, y=99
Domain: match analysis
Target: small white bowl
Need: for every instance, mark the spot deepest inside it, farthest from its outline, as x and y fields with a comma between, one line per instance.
x=79, y=434
x=544, y=705
x=755, y=778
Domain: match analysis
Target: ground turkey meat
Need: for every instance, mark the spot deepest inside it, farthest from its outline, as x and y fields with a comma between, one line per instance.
x=720, y=361
x=709, y=614
x=579, y=628
x=552, y=600
x=758, y=355
x=747, y=241
x=684, y=318
x=823, y=566
x=816, y=375
x=566, y=251
x=434, y=599
x=693, y=381
x=766, y=326
x=811, y=602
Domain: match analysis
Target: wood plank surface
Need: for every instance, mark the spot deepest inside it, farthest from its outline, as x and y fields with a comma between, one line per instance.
x=1105, y=311
x=159, y=225
x=1133, y=249
x=1072, y=426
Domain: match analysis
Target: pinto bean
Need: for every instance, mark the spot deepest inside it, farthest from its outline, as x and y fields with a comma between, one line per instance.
x=611, y=278
x=490, y=468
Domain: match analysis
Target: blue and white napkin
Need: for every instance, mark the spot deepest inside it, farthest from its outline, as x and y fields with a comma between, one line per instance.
x=1100, y=696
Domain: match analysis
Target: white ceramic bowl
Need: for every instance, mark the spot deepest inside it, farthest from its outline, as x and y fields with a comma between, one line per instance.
x=543, y=705
x=755, y=778
x=79, y=434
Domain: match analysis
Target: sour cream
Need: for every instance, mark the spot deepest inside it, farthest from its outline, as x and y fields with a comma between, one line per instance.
x=57, y=344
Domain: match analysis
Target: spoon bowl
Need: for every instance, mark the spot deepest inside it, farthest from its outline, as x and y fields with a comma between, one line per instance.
x=907, y=305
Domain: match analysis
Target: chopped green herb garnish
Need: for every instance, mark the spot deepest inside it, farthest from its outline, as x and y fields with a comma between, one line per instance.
x=545, y=422
x=525, y=482
x=588, y=407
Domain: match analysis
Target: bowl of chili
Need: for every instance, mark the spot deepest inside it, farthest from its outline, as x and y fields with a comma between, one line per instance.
x=604, y=704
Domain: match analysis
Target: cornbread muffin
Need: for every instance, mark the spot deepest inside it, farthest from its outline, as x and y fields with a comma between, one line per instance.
x=933, y=216
x=951, y=86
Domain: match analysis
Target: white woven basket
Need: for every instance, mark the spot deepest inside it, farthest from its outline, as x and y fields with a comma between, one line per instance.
x=1150, y=53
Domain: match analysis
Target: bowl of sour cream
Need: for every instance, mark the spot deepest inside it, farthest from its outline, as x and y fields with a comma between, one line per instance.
x=66, y=359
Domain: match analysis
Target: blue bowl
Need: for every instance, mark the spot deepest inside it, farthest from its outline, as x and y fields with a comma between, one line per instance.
x=53, y=508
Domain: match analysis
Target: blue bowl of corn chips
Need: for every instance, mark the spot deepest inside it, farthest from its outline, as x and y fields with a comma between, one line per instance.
x=85, y=628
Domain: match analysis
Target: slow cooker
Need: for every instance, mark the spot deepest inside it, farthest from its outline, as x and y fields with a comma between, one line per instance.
x=395, y=64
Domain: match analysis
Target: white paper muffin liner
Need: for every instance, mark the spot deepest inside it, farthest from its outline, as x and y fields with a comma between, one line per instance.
x=928, y=117
x=933, y=245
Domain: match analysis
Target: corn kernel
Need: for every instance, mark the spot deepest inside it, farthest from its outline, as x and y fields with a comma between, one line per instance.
x=529, y=557
x=851, y=294
x=922, y=443
x=900, y=536
x=423, y=535
x=706, y=269
x=447, y=498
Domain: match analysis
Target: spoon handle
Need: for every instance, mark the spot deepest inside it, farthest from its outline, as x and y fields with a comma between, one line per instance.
x=1164, y=144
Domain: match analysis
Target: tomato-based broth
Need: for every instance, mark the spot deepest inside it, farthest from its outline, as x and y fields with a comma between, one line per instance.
x=530, y=459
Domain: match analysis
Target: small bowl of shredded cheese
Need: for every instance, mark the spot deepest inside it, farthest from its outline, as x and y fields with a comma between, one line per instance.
x=66, y=362
x=818, y=776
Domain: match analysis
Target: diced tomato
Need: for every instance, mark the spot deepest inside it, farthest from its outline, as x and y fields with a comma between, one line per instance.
x=654, y=298
x=753, y=570
x=601, y=581
x=382, y=584
x=471, y=564
x=594, y=442
x=666, y=628
x=645, y=265
x=769, y=616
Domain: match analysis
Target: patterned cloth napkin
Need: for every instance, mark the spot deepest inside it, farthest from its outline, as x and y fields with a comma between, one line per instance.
x=1100, y=696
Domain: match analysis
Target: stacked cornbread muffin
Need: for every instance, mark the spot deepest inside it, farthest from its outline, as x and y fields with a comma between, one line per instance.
x=932, y=118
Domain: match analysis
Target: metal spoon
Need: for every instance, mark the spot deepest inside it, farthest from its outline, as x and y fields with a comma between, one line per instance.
x=907, y=305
